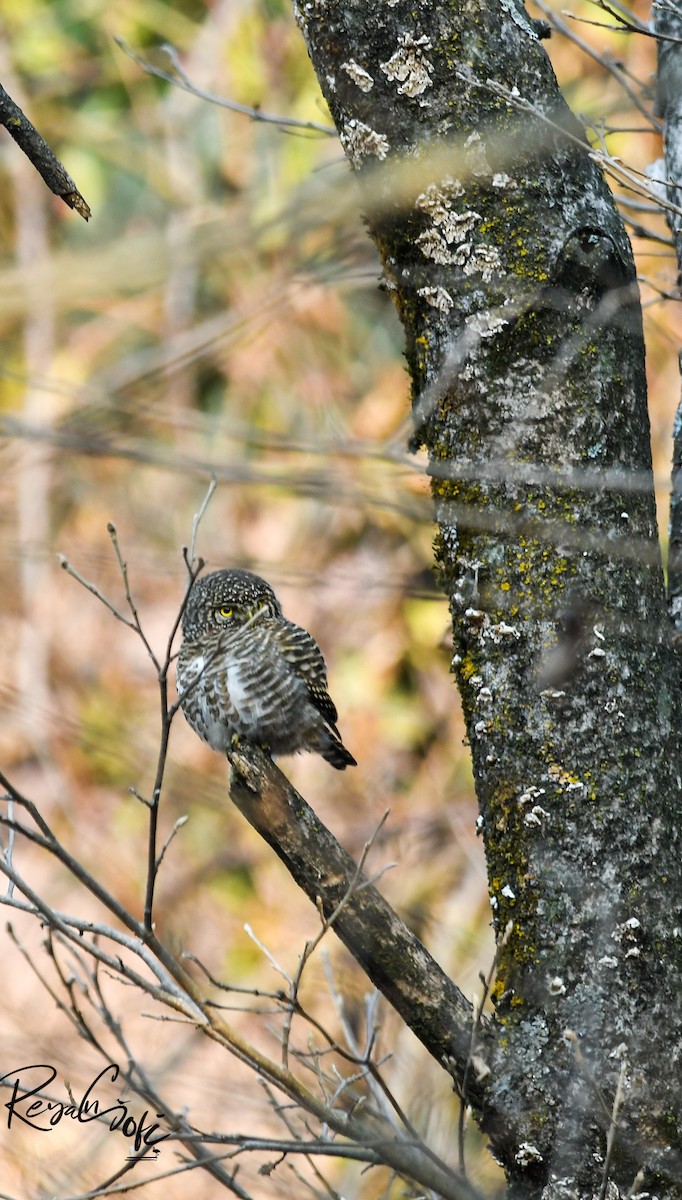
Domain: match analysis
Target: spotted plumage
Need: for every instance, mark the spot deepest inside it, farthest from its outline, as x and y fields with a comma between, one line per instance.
x=244, y=671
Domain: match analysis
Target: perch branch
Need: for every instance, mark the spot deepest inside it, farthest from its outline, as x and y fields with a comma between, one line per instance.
x=391, y=955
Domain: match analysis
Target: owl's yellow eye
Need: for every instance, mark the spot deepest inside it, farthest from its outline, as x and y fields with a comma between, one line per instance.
x=225, y=613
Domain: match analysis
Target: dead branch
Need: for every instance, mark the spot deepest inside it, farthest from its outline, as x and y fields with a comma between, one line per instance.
x=43, y=158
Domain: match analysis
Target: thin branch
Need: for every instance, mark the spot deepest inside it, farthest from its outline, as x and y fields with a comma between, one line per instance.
x=561, y=27
x=376, y=1080
x=194, y=566
x=94, y=590
x=9, y=852
x=177, y=826
x=178, y=78
x=196, y=522
x=167, y=993
x=123, y=566
x=43, y=158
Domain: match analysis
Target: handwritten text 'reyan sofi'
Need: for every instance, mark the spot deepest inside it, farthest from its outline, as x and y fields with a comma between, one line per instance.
x=27, y=1106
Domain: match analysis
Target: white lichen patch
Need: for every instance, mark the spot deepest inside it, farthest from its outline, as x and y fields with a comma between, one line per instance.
x=449, y=228
x=628, y=934
x=437, y=198
x=531, y=793
x=658, y=176
x=607, y=960
x=480, y=1066
x=436, y=201
x=527, y=1154
x=503, y=630
x=501, y=180
x=358, y=74
x=483, y=259
x=487, y=630
x=508, y=892
x=459, y=227
x=359, y=141
x=536, y=817
x=409, y=67
x=598, y=652
x=485, y=324
x=557, y=987
x=437, y=297
x=433, y=246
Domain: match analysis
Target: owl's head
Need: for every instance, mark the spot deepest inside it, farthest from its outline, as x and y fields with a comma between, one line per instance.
x=227, y=599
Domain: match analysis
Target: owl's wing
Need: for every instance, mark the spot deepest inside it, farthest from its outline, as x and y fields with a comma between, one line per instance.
x=303, y=654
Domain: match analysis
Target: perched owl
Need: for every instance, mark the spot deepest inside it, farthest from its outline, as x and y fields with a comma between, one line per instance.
x=244, y=671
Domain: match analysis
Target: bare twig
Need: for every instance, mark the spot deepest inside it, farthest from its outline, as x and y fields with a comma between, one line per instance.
x=123, y=566
x=196, y=522
x=9, y=852
x=178, y=78
x=177, y=826
x=167, y=715
x=94, y=590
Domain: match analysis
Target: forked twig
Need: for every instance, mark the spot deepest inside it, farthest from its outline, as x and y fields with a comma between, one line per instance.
x=178, y=78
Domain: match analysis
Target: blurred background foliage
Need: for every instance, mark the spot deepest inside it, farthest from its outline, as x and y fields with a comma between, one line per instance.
x=220, y=314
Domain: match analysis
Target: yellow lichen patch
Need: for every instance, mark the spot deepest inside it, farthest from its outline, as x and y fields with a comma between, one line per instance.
x=467, y=668
x=561, y=776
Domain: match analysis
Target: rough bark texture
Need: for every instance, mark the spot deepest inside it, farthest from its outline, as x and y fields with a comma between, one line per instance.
x=667, y=22
x=515, y=283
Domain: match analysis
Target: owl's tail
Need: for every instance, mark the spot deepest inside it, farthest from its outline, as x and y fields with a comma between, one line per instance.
x=334, y=751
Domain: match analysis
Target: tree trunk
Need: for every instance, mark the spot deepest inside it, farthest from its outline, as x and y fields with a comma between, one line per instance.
x=515, y=283
x=667, y=22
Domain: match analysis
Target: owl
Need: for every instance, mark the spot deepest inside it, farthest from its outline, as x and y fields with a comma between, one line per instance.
x=246, y=672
